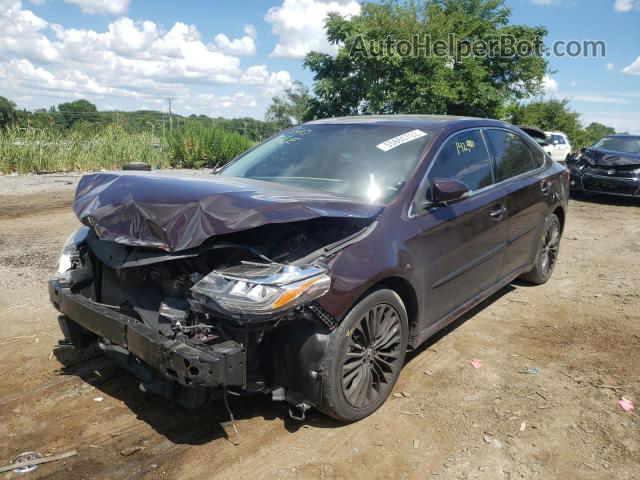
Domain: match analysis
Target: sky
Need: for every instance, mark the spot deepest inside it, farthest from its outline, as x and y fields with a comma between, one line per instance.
x=228, y=58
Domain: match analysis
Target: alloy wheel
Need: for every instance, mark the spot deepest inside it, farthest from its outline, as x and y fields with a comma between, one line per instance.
x=550, y=247
x=372, y=358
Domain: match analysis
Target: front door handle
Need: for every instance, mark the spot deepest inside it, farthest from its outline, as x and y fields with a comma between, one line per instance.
x=498, y=212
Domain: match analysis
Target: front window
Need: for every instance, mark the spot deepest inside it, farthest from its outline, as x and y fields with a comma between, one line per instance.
x=371, y=162
x=620, y=144
x=464, y=158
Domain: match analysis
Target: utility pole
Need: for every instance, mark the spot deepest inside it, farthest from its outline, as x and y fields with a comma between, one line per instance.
x=170, y=118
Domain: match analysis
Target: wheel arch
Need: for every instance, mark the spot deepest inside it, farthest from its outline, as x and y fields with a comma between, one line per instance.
x=559, y=212
x=407, y=294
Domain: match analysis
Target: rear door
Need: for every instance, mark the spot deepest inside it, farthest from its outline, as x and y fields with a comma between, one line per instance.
x=460, y=247
x=520, y=170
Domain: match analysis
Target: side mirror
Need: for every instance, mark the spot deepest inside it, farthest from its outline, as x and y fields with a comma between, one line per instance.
x=447, y=190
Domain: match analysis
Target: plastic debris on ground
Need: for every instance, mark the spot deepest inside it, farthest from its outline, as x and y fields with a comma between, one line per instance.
x=476, y=363
x=626, y=404
x=532, y=370
x=23, y=457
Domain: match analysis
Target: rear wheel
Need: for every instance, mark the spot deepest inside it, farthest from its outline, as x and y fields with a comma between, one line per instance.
x=547, y=255
x=365, y=356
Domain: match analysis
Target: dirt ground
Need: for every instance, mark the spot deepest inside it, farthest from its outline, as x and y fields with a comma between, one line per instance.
x=446, y=419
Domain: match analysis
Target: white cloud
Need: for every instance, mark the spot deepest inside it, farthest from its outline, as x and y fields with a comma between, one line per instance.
x=111, y=7
x=544, y=2
x=238, y=46
x=609, y=66
x=626, y=5
x=600, y=99
x=634, y=68
x=621, y=121
x=271, y=83
x=550, y=86
x=299, y=25
x=251, y=31
x=135, y=60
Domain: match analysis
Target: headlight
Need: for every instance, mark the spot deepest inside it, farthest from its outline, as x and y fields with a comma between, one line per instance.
x=260, y=289
x=69, y=250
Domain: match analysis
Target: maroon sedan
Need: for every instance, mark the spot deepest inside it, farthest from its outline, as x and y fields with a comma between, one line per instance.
x=309, y=265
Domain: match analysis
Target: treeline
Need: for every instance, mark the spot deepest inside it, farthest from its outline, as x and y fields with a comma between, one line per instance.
x=83, y=117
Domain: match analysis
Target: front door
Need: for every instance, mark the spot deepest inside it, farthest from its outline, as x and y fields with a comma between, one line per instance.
x=460, y=246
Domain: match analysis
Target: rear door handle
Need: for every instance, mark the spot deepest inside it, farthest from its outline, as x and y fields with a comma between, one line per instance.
x=545, y=187
x=498, y=212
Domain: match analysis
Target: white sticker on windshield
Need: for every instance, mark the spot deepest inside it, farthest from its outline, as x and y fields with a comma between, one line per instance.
x=400, y=139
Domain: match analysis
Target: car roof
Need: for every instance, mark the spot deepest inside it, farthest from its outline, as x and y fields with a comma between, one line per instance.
x=433, y=122
x=622, y=135
x=556, y=133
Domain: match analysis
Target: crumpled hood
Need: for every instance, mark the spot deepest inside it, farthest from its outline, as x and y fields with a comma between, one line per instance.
x=608, y=158
x=181, y=212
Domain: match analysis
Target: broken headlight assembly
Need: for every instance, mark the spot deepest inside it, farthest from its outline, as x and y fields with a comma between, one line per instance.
x=69, y=251
x=263, y=289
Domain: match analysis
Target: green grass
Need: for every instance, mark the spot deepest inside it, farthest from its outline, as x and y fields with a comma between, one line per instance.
x=198, y=146
x=45, y=151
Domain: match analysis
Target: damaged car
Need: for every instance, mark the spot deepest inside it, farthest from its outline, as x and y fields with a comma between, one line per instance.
x=611, y=167
x=307, y=267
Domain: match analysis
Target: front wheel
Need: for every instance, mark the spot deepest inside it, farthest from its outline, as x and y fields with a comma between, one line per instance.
x=547, y=254
x=364, y=357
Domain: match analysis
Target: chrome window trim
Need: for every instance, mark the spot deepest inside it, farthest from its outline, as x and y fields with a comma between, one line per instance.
x=415, y=209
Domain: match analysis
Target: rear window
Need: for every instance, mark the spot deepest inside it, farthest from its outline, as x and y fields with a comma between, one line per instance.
x=512, y=155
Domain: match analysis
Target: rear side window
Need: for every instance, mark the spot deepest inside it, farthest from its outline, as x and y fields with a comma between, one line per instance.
x=464, y=158
x=559, y=139
x=512, y=155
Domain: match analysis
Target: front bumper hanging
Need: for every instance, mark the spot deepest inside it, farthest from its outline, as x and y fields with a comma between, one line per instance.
x=189, y=365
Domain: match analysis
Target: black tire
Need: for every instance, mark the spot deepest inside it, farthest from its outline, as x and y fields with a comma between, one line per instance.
x=547, y=254
x=140, y=166
x=351, y=355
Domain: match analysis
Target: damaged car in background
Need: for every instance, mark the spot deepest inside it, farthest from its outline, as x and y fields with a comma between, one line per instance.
x=611, y=167
x=308, y=266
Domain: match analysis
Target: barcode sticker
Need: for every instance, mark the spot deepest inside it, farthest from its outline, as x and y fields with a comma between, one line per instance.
x=400, y=139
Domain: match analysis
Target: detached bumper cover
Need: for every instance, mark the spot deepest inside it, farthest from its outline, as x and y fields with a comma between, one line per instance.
x=188, y=364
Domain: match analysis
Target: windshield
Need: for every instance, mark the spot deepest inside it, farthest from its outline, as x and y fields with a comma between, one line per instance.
x=620, y=144
x=367, y=161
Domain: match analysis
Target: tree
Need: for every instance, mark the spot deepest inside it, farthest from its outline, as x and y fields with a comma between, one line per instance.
x=290, y=108
x=554, y=114
x=8, y=114
x=78, y=110
x=551, y=114
x=365, y=79
x=594, y=132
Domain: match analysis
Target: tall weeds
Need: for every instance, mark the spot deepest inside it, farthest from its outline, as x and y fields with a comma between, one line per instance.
x=42, y=151
x=196, y=146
